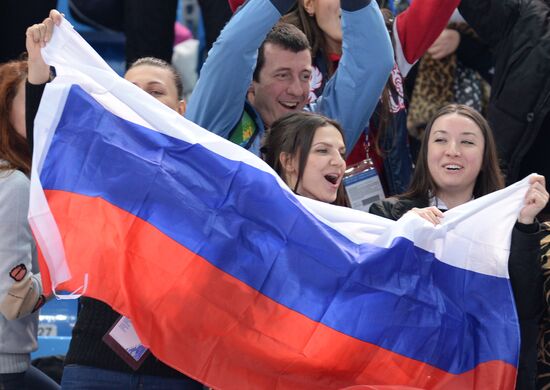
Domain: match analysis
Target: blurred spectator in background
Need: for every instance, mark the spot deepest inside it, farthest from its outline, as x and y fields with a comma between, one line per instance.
x=16, y=17
x=518, y=31
x=448, y=73
x=543, y=377
x=395, y=6
x=149, y=29
x=215, y=14
x=148, y=25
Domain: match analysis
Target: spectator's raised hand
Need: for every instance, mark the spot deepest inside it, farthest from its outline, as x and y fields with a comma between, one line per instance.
x=38, y=35
x=535, y=200
x=445, y=45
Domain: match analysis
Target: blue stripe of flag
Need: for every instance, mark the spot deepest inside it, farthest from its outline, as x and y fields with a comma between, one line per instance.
x=239, y=219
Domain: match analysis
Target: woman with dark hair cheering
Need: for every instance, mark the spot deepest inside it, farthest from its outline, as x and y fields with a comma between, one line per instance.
x=308, y=150
x=458, y=162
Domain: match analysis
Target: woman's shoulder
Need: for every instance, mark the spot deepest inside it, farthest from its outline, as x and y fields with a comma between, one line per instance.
x=13, y=182
x=14, y=197
x=394, y=207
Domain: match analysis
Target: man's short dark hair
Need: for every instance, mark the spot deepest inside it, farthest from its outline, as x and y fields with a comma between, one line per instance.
x=286, y=36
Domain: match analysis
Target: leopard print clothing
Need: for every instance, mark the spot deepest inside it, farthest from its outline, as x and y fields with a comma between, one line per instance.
x=544, y=335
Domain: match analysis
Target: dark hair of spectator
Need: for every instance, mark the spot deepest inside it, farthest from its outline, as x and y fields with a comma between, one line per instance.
x=490, y=177
x=299, y=17
x=286, y=36
x=153, y=61
x=293, y=134
x=13, y=147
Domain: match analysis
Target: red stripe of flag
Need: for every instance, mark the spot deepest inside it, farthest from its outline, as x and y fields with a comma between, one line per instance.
x=217, y=329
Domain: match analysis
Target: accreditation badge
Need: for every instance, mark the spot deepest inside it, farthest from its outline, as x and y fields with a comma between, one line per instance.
x=363, y=185
x=124, y=341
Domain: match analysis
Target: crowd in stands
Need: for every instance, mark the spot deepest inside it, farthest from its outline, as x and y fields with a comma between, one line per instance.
x=447, y=101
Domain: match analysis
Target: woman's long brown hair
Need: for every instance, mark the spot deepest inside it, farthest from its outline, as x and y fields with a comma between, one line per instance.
x=293, y=134
x=13, y=147
x=490, y=177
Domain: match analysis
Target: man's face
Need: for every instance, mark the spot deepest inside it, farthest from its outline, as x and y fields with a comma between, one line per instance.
x=283, y=84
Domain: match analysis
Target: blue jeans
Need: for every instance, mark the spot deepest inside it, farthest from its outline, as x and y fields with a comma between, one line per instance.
x=31, y=379
x=77, y=377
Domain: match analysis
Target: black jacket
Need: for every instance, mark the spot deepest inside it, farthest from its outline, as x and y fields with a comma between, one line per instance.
x=518, y=31
x=525, y=277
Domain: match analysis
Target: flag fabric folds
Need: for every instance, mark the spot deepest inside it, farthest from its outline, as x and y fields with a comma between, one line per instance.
x=231, y=278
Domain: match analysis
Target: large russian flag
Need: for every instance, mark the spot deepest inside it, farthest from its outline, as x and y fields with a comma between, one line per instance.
x=232, y=279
